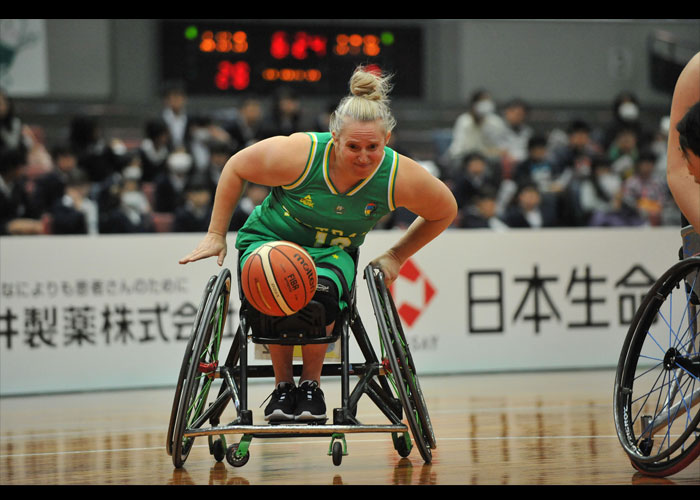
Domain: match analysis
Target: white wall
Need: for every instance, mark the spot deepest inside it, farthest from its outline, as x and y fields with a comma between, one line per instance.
x=81, y=313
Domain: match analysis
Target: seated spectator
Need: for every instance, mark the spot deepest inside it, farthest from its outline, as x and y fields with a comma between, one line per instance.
x=645, y=192
x=626, y=115
x=242, y=124
x=204, y=135
x=49, y=188
x=284, y=118
x=527, y=211
x=219, y=155
x=174, y=115
x=517, y=132
x=536, y=167
x=252, y=197
x=474, y=175
x=600, y=196
x=123, y=208
x=623, y=152
x=17, y=216
x=75, y=212
x=154, y=150
x=476, y=131
x=170, y=185
x=578, y=144
x=482, y=213
x=98, y=158
x=194, y=215
x=134, y=201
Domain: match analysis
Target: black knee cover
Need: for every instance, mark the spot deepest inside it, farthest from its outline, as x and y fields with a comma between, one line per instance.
x=327, y=295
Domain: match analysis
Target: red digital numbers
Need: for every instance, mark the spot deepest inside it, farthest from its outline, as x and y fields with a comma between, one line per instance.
x=232, y=75
x=299, y=46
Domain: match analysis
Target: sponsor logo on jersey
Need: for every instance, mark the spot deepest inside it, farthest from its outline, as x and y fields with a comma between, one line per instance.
x=306, y=200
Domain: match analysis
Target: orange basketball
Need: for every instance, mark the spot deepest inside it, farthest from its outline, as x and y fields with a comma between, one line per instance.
x=279, y=278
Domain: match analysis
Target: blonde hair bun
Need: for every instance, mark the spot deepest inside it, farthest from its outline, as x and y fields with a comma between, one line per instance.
x=368, y=100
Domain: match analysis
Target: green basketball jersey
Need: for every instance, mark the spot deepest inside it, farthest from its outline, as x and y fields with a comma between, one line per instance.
x=312, y=213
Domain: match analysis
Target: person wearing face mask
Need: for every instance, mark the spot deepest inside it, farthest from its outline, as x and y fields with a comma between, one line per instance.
x=123, y=207
x=600, y=197
x=478, y=130
x=134, y=203
x=170, y=185
x=626, y=116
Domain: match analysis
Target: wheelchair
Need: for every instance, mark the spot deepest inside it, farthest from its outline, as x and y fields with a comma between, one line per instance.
x=657, y=383
x=389, y=379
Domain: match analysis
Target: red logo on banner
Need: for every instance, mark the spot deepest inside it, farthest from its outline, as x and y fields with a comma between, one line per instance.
x=410, y=276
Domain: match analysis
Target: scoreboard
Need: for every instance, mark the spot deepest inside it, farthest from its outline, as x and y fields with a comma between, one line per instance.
x=315, y=58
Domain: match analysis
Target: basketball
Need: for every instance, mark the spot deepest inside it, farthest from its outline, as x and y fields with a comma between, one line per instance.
x=279, y=278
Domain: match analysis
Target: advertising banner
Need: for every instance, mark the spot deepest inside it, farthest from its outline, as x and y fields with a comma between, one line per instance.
x=84, y=313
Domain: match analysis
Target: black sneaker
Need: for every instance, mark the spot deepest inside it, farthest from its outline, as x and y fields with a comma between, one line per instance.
x=310, y=402
x=281, y=407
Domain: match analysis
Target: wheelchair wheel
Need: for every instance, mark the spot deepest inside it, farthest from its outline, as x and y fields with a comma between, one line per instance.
x=185, y=363
x=657, y=384
x=402, y=370
x=201, y=360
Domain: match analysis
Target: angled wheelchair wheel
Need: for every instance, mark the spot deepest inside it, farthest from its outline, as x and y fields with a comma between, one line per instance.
x=399, y=364
x=199, y=365
x=185, y=363
x=657, y=384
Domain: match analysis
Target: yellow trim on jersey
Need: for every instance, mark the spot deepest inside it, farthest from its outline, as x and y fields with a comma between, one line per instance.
x=327, y=176
x=309, y=162
x=392, y=182
x=369, y=177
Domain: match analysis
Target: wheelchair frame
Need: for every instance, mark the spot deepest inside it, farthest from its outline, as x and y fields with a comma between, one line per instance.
x=657, y=383
x=390, y=382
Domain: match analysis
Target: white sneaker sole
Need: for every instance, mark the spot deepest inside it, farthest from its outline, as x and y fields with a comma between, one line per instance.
x=279, y=416
x=306, y=415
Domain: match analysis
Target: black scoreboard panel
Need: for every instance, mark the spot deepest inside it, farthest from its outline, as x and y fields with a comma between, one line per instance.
x=236, y=57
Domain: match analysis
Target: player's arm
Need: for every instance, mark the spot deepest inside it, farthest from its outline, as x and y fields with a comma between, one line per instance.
x=682, y=184
x=431, y=200
x=276, y=161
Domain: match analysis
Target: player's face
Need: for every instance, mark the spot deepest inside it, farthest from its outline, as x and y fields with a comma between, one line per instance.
x=360, y=146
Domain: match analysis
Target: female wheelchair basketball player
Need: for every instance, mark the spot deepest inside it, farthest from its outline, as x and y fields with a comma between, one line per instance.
x=328, y=191
x=657, y=384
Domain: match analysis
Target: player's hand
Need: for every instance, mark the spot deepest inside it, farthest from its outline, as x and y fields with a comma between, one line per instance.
x=390, y=266
x=212, y=245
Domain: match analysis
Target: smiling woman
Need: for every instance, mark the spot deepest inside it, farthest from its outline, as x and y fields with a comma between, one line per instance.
x=328, y=191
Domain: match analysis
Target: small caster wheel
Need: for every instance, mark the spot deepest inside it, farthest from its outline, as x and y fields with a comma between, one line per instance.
x=402, y=444
x=218, y=449
x=232, y=459
x=337, y=453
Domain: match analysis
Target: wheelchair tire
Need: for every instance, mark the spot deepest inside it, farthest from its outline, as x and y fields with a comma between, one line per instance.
x=401, y=366
x=337, y=453
x=657, y=384
x=183, y=368
x=201, y=358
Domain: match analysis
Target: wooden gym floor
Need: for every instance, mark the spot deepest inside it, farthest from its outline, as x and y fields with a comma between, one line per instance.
x=504, y=429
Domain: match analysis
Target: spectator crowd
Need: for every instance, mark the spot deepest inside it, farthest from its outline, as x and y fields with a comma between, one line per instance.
x=504, y=174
